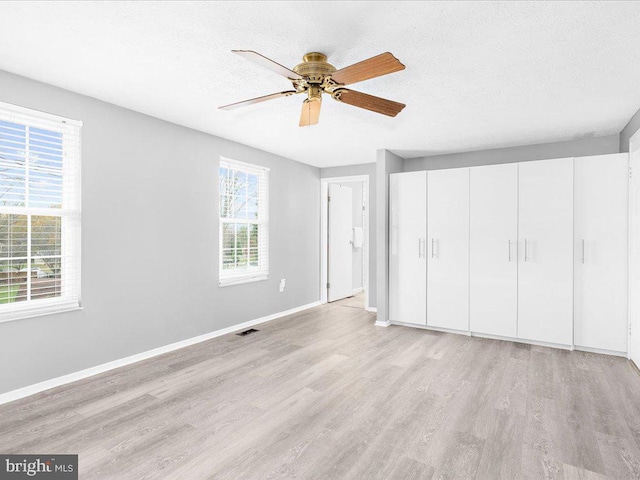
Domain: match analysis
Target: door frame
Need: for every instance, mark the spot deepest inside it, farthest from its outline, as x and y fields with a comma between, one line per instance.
x=324, y=233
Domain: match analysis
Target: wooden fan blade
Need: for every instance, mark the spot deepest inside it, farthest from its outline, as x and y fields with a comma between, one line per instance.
x=369, y=102
x=231, y=106
x=310, y=112
x=377, y=66
x=267, y=63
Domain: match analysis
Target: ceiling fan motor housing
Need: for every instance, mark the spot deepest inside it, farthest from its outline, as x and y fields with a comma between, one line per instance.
x=314, y=68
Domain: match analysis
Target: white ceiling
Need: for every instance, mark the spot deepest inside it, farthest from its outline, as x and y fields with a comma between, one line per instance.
x=479, y=75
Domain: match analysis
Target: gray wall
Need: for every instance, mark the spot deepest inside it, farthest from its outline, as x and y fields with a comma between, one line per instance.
x=387, y=164
x=574, y=148
x=150, y=240
x=632, y=127
x=363, y=169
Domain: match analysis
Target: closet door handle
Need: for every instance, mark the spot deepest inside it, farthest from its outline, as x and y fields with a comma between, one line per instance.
x=509, y=250
x=583, y=250
x=432, y=251
x=419, y=248
x=525, y=249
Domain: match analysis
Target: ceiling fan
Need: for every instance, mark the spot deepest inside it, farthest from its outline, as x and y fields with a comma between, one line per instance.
x=314, y=76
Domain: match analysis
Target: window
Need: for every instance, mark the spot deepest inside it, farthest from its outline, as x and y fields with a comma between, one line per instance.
x=244, y=222
x=39, y=213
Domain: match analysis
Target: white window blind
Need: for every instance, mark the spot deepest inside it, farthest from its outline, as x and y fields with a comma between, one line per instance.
x=39, y=213
x=244, y=222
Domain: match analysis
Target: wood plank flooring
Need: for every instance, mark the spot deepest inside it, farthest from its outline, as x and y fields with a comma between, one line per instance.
x=323, y=394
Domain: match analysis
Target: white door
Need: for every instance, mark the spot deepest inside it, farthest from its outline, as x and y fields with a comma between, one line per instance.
x=601, y=252
x=448, y=248
x=634, y=250
x=494, y=250
x=545, y=268
x=340, y=238
x=407, y=247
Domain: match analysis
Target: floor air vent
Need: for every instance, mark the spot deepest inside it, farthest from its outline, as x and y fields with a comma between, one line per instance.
x=247, y=332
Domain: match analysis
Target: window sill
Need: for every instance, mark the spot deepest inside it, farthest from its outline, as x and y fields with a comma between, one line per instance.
x=38, y=311
x=228, y=282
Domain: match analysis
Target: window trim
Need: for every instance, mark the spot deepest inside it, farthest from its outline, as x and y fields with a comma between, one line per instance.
x=252, y=276
x=229, y=282
x=47, y=306
x=40, y=114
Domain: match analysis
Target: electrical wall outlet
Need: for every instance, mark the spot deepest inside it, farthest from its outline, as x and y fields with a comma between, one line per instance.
x=283, y=281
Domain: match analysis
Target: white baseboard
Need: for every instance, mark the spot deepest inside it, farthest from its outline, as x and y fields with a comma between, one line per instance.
x=105, y=367
x=435, y=329
x=356, y=291
x=523, y=340
x=371, y=309
x=491, y=337
x=380, y=323
x=600, y=350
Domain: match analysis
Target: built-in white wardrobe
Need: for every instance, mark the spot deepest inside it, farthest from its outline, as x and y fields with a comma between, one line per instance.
x=448, y=259
x=534, y=251
x=493, y=255
x=407, y=248
x=601, y=252
x=545, y=247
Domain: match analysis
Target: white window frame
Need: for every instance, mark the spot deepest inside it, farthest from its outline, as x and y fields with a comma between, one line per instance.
x=235, y=277
x=70, y=214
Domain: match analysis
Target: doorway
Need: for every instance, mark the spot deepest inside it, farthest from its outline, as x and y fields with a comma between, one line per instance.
x=345, y=241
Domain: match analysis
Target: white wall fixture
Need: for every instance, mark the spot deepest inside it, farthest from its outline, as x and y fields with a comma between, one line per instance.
x=408, y=248
x=448, y=248
x=494, y=250
x=601, y=252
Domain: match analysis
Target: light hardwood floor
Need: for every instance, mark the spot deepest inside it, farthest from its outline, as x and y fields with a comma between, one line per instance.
x=324, y=394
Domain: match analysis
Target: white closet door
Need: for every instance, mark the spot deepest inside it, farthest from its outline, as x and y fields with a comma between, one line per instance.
x=634, y=249
x=448, y=248
x=545, y=268
x=494, y=250
x=407, y=248
x=601, y=251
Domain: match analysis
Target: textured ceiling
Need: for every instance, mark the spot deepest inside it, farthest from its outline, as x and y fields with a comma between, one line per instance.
x=479, y=75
